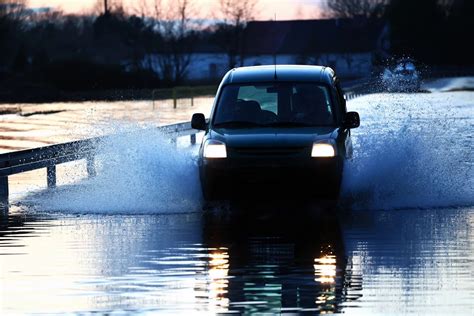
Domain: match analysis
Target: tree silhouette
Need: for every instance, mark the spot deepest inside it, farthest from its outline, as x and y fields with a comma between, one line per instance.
x=353, y=8
x=230, y=33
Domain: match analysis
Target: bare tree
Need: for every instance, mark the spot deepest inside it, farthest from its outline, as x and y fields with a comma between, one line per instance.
x=12, y=16
x=12, y=9
x=353, y=8
x=173, y=54
x=108, y=6
x=236, y=14
x=141, y=8
x=101, y=7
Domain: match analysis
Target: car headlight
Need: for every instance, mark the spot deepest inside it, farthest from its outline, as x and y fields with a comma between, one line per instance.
x=323, y=150
x=214, y=149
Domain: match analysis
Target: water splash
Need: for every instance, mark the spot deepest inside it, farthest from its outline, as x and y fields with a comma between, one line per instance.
x=139, y=171
x=412, y=151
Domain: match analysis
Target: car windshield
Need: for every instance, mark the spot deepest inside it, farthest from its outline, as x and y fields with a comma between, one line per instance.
x=274, y=105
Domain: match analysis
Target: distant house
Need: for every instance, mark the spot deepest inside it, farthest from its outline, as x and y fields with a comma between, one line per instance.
x=347, y=45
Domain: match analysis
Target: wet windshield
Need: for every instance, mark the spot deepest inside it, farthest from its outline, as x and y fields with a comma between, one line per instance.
x=280, y=104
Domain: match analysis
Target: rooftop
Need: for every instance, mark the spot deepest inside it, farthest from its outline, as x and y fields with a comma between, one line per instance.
x=312, y=36
x=280, y=73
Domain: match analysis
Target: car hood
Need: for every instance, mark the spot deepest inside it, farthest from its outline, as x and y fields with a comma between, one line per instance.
x=273, y=137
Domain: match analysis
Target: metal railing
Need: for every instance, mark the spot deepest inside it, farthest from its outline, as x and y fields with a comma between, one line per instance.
x=360, y=87
x=181, y=93
x=50, y=156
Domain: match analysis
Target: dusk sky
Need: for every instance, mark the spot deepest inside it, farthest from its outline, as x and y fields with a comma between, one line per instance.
x=284, y=9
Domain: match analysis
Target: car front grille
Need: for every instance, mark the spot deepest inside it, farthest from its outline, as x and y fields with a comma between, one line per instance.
x=267, y=151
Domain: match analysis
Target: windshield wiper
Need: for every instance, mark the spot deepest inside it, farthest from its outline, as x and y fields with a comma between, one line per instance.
x=237, y=124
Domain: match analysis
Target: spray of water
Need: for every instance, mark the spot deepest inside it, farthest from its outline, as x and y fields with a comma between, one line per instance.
x=412, y=151
x=140, y=171
x=402, y=77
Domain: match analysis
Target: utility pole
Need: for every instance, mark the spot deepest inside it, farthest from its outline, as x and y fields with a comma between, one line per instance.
x=106, y=7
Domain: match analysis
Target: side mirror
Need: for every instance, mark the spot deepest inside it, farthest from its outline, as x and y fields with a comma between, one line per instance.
x=198, y=121
x=351, y=120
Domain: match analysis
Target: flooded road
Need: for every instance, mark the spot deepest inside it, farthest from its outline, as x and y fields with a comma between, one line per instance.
x=36, y=125
x=135, y=238
x=243, y=260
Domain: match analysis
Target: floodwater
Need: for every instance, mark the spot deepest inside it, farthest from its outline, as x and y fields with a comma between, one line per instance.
x=242, y=259
x=135, y=239
x=36, y=125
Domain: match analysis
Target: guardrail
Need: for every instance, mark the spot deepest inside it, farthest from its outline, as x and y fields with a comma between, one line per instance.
x=180, y=93
x=360, y=87
x=50, y=156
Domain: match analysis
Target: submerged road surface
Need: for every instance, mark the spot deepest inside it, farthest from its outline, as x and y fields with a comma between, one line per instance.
x=135, y=238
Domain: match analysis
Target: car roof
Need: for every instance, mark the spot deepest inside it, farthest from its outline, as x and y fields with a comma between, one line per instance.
x=280, y=73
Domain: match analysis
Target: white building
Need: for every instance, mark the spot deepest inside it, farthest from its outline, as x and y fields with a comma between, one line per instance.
x=349, y=46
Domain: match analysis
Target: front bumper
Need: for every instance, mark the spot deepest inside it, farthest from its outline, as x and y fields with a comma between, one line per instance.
x=271, y=174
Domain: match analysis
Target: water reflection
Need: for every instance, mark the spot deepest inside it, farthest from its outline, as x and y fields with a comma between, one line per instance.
x=61, y=263
x=247, y=259
x=213, y=290
x=276, y=261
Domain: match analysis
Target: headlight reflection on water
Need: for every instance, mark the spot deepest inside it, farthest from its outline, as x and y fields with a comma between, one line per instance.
x=325, y=274
x=325, y=269
x=218, y=277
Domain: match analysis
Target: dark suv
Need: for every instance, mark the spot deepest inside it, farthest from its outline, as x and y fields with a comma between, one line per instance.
x=275, y=127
